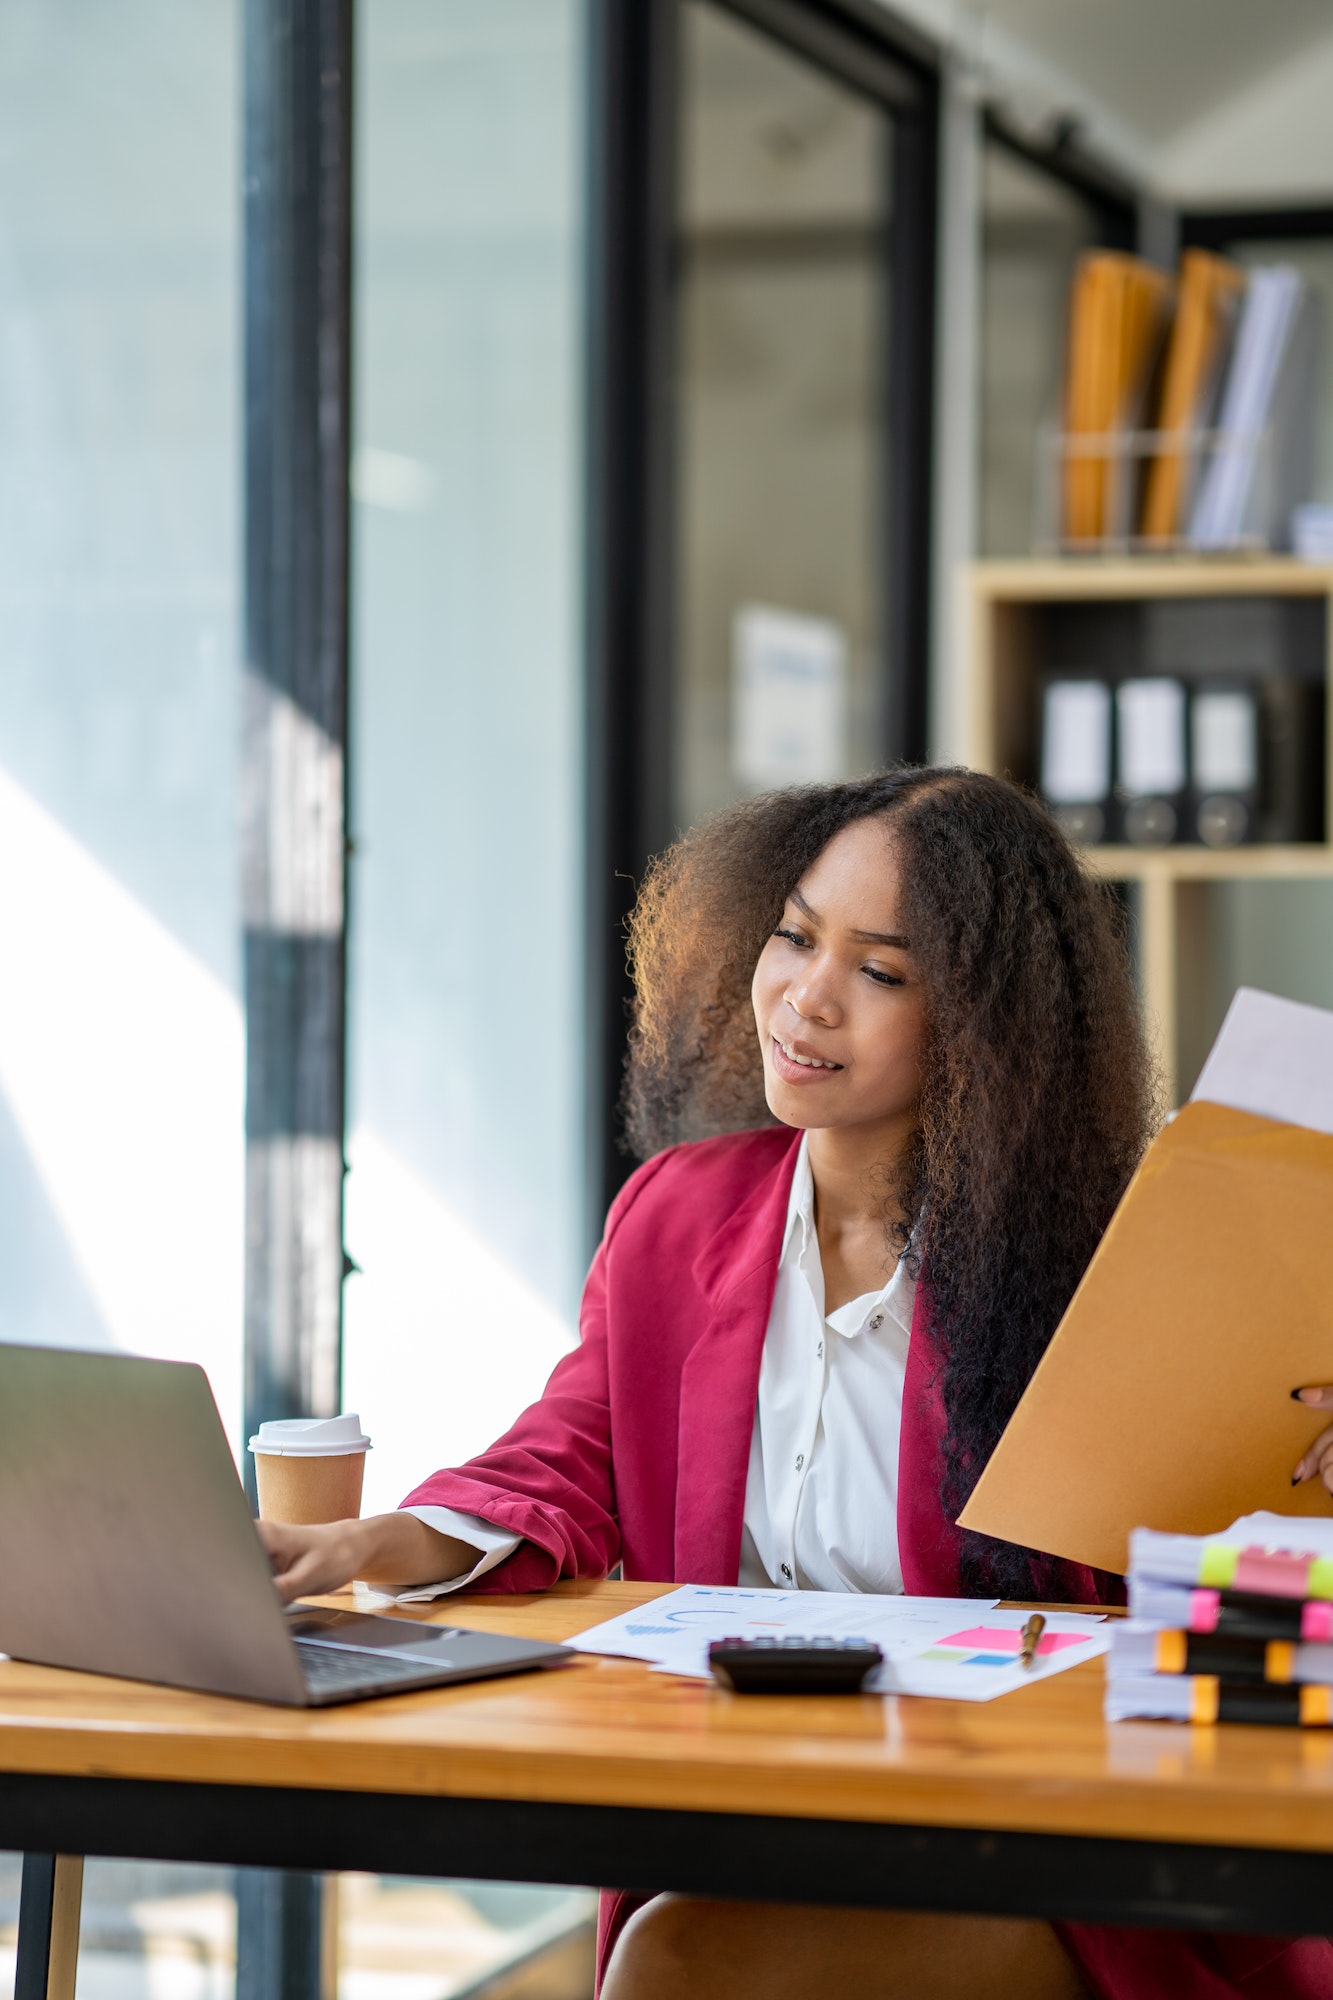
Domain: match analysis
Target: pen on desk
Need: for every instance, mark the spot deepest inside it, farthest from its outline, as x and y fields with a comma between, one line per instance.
x=1032, y=1631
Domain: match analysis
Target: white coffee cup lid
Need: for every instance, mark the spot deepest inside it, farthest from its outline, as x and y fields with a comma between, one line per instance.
x=310, y=1437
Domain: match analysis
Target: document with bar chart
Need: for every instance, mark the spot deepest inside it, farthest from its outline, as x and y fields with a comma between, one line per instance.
x=958, y=1648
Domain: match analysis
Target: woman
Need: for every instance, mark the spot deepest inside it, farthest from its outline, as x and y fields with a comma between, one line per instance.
x=816, y=1319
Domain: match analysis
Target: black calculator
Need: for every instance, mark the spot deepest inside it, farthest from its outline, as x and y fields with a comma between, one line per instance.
x=793, y=1666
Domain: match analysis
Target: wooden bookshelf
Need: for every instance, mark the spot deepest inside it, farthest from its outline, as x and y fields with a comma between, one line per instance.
x=1172, y=883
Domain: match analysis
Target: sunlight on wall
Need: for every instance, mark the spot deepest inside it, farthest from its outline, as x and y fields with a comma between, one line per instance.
x=466, y=1000
x=122, y=1060
x=444, y=1344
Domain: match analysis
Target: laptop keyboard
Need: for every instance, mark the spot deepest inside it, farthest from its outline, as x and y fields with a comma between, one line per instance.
x=324, y=1668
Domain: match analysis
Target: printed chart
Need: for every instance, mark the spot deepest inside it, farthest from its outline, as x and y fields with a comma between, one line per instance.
x=960, y=1648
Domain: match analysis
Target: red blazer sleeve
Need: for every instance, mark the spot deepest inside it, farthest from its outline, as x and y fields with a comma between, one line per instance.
x=549, y=1478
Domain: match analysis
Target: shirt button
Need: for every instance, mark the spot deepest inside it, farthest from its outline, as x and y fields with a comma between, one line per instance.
x=876, y=1322
x=800, y=1460
x=786, y=1571
x=820, y=1350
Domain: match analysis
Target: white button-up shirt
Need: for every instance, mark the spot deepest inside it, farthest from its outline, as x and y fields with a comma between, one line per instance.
x=822, y=1488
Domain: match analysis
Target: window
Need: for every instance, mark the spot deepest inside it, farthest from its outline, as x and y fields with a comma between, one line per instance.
x=121, y=1041
x=782, y=344
x=465, y=1099
x=121, y=1054
x=465, y=1183
x=1034, y=227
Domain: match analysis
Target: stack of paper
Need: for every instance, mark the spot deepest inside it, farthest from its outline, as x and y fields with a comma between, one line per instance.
x=1312, y=532
x=961, y=1648
x=1263, y=337
x=1236, y=1627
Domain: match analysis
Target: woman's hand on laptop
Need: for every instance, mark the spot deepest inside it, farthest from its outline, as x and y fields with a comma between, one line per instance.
x=395, y=1551
x=1317, y=1461
x=311, y=1561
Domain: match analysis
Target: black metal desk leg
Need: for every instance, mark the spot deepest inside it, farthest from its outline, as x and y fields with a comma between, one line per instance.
x=48, y=1946
x=286, y=1947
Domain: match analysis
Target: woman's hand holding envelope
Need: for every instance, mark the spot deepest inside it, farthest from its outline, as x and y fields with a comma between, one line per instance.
x=1318, y=1460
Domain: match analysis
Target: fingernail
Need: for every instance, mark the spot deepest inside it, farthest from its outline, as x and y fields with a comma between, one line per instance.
x=1296, y=1477
x=1305, y=1395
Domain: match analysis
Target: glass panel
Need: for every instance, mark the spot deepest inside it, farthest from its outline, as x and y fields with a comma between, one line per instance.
x=782, y=338
x=400, y=1938
x=465, y=1095
x=1033, y=228
x=121, y=1056
x=121, y=1047
x=149, y=1930
x=463, y=1201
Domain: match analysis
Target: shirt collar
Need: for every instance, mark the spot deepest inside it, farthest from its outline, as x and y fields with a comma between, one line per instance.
x=801, y=1201
x=897, y=1295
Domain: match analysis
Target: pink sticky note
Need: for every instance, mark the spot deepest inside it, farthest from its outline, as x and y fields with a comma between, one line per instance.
x=1317, y=1619
x=1004, y=1639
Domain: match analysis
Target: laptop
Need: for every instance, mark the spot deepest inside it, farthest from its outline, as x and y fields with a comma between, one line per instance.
x=127, y=1548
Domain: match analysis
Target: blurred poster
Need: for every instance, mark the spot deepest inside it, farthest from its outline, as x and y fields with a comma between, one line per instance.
x=789, y=698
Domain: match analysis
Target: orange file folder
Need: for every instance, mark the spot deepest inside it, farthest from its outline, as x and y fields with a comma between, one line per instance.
x=1117, y=308
x=1164, y=1398
x=1209, y=290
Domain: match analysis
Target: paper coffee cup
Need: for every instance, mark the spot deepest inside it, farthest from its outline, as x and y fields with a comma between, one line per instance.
x=310, y=1468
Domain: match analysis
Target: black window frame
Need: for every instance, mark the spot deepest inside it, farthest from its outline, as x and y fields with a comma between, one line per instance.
x=1116, y=202
x=1218, y=228
x=633, y=107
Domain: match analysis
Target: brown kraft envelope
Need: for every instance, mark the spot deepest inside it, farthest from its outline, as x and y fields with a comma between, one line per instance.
x=1164, y=1398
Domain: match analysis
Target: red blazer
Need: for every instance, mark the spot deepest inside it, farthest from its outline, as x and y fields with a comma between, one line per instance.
x=673, y=1322
x=638, y=1452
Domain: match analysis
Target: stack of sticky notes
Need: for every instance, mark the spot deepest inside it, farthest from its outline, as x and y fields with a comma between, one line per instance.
x=1236, y=1627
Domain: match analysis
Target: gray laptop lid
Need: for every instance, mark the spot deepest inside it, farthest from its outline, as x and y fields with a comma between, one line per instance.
x=126, y=1544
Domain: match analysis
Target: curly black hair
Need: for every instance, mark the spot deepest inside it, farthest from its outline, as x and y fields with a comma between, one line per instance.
x=1038, y=1094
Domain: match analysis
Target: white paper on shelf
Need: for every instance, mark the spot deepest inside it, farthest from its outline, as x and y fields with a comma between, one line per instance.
x=1076, y=742
x=1312, y=531
x=1272, y=1057
x=673, y=1634
x=789, y=697
x=1267, y=316
x=1224, y=740
x=1151, y=717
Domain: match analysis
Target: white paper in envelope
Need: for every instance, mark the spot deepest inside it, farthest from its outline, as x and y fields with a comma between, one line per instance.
x=1274, y=1058
x=1165, y=1394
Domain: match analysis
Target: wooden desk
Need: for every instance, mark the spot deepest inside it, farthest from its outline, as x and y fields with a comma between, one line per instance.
x=603, y=1772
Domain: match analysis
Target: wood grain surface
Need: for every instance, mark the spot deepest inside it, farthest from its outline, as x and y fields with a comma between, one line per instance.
x=610, y=1732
